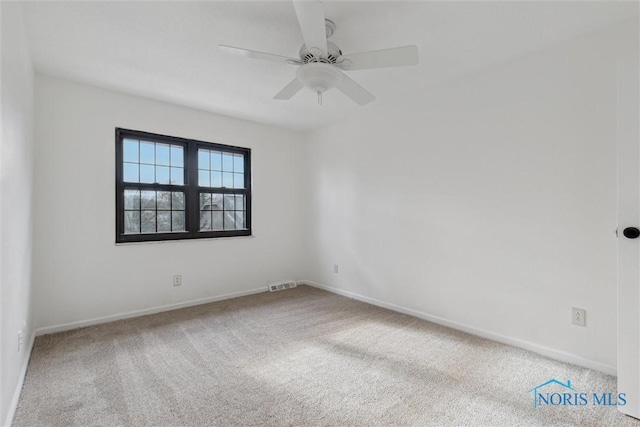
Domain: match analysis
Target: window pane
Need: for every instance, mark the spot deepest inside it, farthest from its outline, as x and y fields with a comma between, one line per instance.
x=238, y=163
x=205, y=201
x=229, y=221
x=132, y=199
x=130, y=150
x=162, y=175
x=240, y=220
x=148, y=222
x=130, y=172
x=164, y=221
x=227, y=162
x=132, y=222
x=229, y=202
x=164, y=200
x=147, y=152
x=238, y=180
x=240, y=202
x=177, y=156
x=147, y=174
x=203, y=159
x=203, y=178
x=227, y=180
x=216, y=202
x=177, y=176
x=216, y=179
x=148, y=199
x=216, y=161
x=178, y=201
x=205, y=221
x=177, y=221
x=217, y=220
x=162, y=154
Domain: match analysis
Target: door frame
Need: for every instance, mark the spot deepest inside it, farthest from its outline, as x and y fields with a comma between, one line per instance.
x=628, y=126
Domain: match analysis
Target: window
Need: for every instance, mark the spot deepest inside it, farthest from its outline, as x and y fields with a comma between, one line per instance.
x=171, y=188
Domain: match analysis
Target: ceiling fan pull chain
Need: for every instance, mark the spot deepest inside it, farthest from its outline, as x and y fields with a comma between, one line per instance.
x=319, y=98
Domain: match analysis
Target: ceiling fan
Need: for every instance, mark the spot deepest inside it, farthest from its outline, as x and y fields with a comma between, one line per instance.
x=321, y=63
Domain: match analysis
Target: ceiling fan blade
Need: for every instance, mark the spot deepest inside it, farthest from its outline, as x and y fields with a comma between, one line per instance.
x=394, y=57
x=311, y=20
x=289, y=90
x=354, y=91
x=258, y=55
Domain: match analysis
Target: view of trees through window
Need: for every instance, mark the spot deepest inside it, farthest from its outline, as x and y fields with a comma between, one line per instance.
x=148, y=211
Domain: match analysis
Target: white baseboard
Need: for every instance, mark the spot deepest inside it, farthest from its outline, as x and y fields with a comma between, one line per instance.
x=13, y=406
x=560, y=355
x=129, y=314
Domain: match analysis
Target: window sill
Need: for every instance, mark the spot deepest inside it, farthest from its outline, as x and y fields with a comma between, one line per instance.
x=202, y=239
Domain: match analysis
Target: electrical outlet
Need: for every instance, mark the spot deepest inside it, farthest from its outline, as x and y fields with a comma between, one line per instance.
x=177, y=280
x=335, y=268
x=578, y=316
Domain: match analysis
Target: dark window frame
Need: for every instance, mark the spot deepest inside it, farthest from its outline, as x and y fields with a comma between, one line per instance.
x=191, y=189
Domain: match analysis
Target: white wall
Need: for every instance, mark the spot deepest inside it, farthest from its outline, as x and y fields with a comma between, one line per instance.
x=80, y=273
x=490, y=202
x=15, y=205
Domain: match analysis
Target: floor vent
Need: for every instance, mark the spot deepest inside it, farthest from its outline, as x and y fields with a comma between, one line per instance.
x=282, y=286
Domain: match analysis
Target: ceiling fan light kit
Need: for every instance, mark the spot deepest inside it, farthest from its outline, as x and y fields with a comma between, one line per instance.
x=319, y=77
x=321, y=62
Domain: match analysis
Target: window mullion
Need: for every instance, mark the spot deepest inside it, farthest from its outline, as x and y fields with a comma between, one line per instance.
x=193, y=205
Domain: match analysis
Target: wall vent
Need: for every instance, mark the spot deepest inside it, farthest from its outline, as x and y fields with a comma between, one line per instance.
x=281, y=286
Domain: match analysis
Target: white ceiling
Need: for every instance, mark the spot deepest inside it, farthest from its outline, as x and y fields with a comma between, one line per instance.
x=168, y=50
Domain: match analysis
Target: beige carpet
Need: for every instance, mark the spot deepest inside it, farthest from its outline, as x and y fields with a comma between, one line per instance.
x=296, y=357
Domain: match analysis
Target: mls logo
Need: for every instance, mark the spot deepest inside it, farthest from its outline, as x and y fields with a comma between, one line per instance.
x=557, y=393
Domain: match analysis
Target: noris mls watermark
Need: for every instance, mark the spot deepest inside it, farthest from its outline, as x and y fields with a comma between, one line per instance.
x=557, y=393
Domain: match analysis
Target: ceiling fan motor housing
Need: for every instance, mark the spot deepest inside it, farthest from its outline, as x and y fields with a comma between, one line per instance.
x=332, y=56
